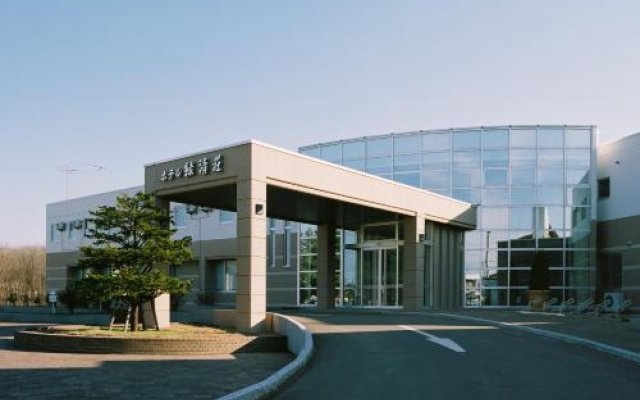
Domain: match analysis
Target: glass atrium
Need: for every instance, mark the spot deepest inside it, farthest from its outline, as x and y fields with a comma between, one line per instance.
x=535, y=187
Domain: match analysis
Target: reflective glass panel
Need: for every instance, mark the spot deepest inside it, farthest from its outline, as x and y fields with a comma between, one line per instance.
x=436, y=141
x=355, y=164
x=466, y=159
x=552, y=217
x=502, y=277
x=520, y=277
x=578, y=259
x=578, y=138
x=551, y=240
x=494, y=297
x=522, y=218
x=495, y=218
x=579, y=239
x=518, y=297
x=474, y=239
x=353, y=150
x=466, y=178
x=313, y=152
x=498, y=240
x=523, y=138
x=379, y=165
x=577, y=218
x=580, y=278
x=468, y=195
x=550, y=137
x=495, y=138
x=495, y=158
x=580, y=295
x=550, y=176
x=522, y=239
x=578, y=158
x=523, y=195
x=436, y=160
x=523, y=157
x=577, y=177
x=408, y=178
x=473, y=258
x=495, y=196
x=550, y=194
x=436, y=179
x=407, y=144
x=579, y=196
x=556, y=277
x=466, y=139
x=549, y=157
x=495, y=177
x=332, y=152
x=410, y=162
x=523, y=176
x=379, y=147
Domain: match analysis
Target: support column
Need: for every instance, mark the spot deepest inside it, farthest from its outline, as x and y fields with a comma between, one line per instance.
x=163, y=302
x=251, y=294
x=326, y=266
x=413, y=264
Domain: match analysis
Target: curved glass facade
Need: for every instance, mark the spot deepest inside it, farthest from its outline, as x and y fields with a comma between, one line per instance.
x=535, y=187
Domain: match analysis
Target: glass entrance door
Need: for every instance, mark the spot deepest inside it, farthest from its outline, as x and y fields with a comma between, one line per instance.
x=380, y=281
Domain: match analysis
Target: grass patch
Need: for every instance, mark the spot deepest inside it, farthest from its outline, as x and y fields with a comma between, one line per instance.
x=174, y=332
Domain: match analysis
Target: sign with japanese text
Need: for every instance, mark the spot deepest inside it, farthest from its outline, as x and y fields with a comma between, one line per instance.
x=191, y=168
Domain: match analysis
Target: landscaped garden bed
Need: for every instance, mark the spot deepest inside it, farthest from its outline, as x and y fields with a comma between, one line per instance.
x=178, y=339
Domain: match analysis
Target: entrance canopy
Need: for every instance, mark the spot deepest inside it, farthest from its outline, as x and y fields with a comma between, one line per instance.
x=258, y=181
x=299, y=188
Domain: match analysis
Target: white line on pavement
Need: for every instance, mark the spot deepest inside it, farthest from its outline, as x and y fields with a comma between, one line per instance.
x=444, y=342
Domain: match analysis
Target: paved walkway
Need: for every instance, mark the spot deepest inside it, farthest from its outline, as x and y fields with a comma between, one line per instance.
x=606, y=328
x=35, y=375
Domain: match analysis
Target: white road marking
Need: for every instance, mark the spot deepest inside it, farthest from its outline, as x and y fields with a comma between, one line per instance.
x=444, y=342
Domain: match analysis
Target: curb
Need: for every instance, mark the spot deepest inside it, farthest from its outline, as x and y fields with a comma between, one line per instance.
x=603, y=347
x=266, y=387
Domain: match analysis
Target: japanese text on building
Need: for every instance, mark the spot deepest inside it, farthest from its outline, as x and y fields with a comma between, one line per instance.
x=191, y=168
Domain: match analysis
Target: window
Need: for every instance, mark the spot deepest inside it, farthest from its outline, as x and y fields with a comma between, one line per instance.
x=287, y=244
x=226, y=217
x=407, y=144
x=53, y=232
x=604, y=188
x=332, y=152
x=307, y=276
x=436, y=142
x=495, y=138
x=379, y=147
x=225, y=275
x=76, y=229
x=312, y=152
x=271, y=243
x=466, y=140
x=179, y=216
x=353, y=150
x=523, y=138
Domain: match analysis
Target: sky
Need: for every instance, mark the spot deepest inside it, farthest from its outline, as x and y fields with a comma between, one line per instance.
x=118, y=84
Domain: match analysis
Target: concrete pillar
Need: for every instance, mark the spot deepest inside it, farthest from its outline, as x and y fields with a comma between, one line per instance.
x=251, y=294
x=326, y=265
x=413, y=264
x=163, y=312
x=163, y=302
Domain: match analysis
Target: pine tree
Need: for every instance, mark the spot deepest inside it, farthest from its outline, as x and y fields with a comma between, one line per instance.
x=130, y=240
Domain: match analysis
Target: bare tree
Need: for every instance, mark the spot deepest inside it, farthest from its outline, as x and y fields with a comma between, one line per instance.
x=22, y=275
